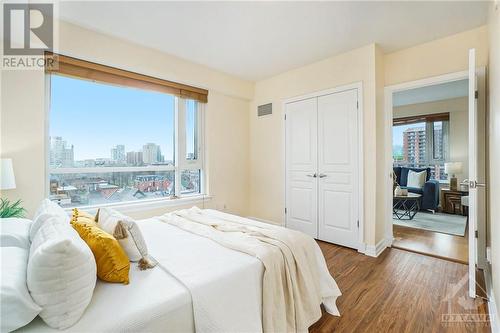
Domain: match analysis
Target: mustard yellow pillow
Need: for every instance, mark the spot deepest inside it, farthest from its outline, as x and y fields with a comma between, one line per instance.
x=80, y=216
x=112, y=262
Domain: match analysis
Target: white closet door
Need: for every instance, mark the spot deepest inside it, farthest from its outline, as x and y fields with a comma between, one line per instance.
x=301, y=165
x=338, y=168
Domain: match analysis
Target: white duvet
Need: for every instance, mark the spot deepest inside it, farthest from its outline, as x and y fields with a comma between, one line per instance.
x=226, y=282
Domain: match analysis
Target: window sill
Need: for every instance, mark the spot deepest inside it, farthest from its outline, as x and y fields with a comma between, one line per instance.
x=126, y=207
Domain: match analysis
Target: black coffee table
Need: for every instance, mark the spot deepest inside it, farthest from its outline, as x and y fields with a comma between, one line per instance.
x=405, y=207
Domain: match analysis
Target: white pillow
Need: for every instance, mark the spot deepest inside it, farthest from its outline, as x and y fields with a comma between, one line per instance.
x=61, y=273
x=128, y=234
x=46, y=209
x=416, y=179
x=15, y=232
x=17, y=308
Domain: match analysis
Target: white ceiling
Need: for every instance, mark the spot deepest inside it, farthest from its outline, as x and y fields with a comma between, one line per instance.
x=255, y=40
x=433, y=93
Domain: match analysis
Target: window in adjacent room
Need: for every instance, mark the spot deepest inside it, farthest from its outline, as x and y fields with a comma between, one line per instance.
x=421, y=142
x=113, y=142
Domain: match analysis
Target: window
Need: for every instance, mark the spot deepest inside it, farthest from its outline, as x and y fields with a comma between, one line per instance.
x=112, y=143
x=421, y=142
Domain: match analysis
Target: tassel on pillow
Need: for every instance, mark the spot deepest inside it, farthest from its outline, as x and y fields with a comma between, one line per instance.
x=120, y=231
x=146, y=263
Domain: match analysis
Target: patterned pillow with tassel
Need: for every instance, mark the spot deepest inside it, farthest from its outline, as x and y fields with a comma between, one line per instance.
x=128, y=234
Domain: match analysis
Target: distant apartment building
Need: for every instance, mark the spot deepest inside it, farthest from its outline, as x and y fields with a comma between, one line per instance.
x=414, y=145
x=151, y=153
x=61, y=153
x=118, y=153
x=135, y=158
x=415, y=154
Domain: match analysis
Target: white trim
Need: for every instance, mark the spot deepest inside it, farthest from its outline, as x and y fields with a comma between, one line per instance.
x=166, y=167
x=376, y=250
x=388, y=112
x=492, y=306
x=145, y=205
x=359, y=87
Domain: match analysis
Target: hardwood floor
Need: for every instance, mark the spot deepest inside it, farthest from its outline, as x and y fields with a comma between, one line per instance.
x=436, y=244
x=399, y=291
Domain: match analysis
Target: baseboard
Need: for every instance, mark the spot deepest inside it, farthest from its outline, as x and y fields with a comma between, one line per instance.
x=376, y=250
x=492, y=305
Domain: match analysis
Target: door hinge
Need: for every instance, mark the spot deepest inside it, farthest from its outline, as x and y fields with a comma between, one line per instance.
x=358, y=224
x=476, y=234
x=285, y=210
x=357, y=105
x=285, y=116
x=476, y=94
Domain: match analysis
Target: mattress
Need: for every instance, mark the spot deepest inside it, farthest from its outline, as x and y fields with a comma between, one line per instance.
x=153, y=301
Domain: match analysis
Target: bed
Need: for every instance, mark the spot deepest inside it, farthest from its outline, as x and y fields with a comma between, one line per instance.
x=198, y=285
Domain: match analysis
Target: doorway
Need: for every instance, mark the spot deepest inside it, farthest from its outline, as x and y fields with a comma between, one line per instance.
x=428, y=150
x=430, y=169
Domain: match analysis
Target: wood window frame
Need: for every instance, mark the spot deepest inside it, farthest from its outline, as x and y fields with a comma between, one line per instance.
x=444, y=116
x=82, y=69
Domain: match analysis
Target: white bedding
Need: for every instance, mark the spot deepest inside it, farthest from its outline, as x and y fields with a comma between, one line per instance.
x=153, y=302
x=227, y=285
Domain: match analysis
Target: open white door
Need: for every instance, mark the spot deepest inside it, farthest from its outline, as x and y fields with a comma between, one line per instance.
x=473, y=168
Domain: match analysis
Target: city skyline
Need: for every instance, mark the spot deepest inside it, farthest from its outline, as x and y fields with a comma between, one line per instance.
x=62, y=156
x=93, y=117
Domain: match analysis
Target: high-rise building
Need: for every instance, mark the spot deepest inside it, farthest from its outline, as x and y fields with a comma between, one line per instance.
x=61, y=155
x=414, y=145
x=134, y=158
x=151, y=153
x=118, y=153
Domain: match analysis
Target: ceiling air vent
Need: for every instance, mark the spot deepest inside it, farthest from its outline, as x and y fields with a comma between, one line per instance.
x=265, y=109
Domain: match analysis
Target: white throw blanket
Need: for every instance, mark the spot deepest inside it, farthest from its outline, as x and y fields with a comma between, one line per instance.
x=296, y=280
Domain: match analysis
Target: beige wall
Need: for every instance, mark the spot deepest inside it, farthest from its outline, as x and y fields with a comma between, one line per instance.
x=494, y=147
x=441, y=56
x=458, y=126
x=23, y=130
x=266, y=133
x=375, y=70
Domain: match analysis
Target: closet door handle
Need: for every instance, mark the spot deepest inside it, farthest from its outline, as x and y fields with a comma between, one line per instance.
x=322, y=175
x=314, y=175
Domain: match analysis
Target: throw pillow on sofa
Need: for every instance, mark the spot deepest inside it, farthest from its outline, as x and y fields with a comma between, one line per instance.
x=416, y=179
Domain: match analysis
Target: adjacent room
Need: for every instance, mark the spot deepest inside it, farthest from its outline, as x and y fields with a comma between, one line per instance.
x=430, y=153
x=250, y=166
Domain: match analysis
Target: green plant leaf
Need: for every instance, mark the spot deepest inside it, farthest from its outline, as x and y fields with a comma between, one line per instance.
x=8, y=209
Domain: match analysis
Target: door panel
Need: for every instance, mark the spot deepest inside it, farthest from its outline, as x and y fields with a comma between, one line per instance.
x=338, y=168
x=473, y=158
x=301, y=165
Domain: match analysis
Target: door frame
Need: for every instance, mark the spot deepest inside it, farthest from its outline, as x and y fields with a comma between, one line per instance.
x=359, y=87
x=388, y=119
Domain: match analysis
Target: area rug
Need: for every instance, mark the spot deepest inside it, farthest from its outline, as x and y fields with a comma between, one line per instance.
x=438, y=222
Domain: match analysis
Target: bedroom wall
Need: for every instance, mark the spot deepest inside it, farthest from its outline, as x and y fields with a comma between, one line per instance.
x=23, y=130
x=494, y=147
x=266, y=133
x=376, y=70
x=458, y=126
x=441, y=56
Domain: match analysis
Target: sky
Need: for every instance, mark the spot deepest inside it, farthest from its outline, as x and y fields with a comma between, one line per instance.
x=95, y=117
